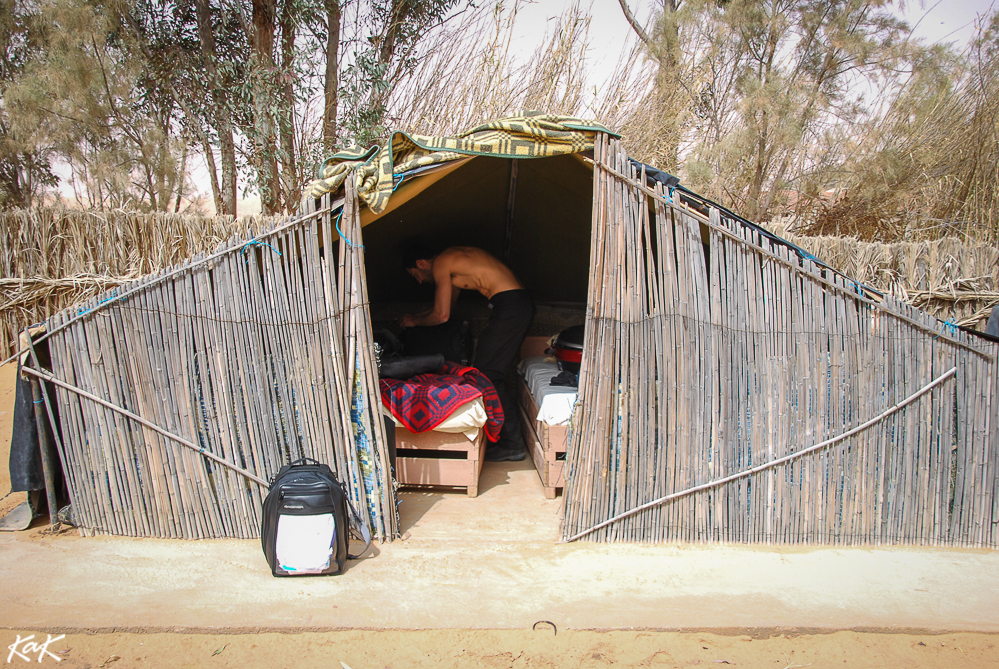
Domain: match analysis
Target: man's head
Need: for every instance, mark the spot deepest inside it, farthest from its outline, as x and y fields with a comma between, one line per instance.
x=418, y=260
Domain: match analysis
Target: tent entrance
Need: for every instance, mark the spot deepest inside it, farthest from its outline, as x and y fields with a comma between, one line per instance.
x=535, y=215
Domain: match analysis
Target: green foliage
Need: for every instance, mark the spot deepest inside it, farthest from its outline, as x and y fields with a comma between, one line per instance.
x=762, y=104
x=363, y=94
x=927, y=166
x=86, y=98
x=386, y=55
x=25, y=162
x=119, y=91
x=772, y=80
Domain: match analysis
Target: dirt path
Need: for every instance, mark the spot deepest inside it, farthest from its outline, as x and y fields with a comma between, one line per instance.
x=539, y=648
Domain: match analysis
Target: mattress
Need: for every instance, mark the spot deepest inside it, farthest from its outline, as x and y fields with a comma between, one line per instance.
x=466, y=419
x=555, y=403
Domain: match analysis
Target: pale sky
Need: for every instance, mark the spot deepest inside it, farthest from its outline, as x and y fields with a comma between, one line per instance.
x=938, y=20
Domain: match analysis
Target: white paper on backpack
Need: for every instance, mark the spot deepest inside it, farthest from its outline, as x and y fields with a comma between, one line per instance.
x=304, y=544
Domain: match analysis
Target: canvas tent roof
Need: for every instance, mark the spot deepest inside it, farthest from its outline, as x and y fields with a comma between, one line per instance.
x=530, y=135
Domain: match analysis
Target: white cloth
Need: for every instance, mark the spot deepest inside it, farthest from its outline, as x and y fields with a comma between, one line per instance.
x=466, y=419
x=555, y=403
x=304, y=544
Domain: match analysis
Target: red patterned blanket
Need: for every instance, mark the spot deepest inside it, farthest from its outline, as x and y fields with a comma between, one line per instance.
x=423, y=402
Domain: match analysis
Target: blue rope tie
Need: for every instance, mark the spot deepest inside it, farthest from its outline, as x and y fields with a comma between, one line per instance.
x=110, y=298
x=951, y=325
x=343, y=236
x=257, y=242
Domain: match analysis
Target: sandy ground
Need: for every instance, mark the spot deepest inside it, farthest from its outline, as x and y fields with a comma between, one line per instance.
x=543, y=646
x=511, y=648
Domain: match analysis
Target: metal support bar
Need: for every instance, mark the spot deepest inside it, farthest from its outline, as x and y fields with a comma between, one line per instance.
x=45, y=375
x=45, y=448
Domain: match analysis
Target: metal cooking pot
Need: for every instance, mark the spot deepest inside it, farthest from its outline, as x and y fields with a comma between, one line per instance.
x=568, y=348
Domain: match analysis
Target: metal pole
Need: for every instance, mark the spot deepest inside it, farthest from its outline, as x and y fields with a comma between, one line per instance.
x=45, y=448
x=45, y=375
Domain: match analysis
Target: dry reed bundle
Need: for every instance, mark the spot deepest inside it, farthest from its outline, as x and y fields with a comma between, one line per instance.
x=54, y=257
x=472, y=75
x=947, y=278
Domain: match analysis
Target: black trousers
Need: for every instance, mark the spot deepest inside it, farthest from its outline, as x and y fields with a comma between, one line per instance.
x=498, y=348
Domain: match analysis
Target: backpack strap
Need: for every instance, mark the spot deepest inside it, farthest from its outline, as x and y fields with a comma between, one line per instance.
x=358, y=525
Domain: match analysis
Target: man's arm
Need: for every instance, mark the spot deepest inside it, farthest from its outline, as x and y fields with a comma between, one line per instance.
x=445, y=297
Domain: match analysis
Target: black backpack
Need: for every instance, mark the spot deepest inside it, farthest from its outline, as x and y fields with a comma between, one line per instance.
x=305, y=526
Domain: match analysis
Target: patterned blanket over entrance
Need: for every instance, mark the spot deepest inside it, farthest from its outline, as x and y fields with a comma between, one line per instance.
x=531, y=135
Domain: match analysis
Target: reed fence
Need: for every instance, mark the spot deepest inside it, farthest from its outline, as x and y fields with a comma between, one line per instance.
x=948, y=278
x=254, y=355
x=52, y=258
x=732, y=391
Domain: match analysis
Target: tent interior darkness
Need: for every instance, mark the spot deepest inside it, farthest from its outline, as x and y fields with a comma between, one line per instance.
x=542, y=233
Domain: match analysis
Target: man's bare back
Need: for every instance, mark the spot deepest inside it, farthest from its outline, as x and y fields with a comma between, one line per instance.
x=455, y=269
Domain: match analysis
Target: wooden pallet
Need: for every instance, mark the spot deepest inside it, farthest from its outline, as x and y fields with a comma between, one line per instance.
x=547, y=443
x=439, y=459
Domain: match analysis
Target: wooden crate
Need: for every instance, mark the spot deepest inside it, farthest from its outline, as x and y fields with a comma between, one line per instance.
x=439, y=459
x=547, y=443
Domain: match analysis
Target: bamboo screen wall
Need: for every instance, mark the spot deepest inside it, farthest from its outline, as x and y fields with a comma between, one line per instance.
x=256, y=354
x=750, y=396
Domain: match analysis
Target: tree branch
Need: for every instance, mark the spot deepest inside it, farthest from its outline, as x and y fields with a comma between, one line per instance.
x=636, y=26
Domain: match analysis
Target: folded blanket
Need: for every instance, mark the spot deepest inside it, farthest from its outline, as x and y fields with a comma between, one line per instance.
x=422, y=402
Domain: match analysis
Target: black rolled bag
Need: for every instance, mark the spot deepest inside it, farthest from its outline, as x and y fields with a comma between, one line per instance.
x=407, y=367
x=307, y=520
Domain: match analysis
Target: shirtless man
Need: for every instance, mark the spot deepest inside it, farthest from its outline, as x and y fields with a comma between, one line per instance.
x=467, y=267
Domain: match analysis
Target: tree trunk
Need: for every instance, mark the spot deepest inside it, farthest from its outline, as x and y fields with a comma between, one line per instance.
x=180, y=186
x=14, y=174
x=289, y=176
x=759, y=174
x=263, y=75
x=332, y=74
x=401, y=9
x=228, y=155
x=225, y=199
x=666, y=52
x=212, y=170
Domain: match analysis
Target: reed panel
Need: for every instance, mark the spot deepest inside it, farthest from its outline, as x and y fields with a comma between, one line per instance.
x=256, y=355
x=735, y=390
